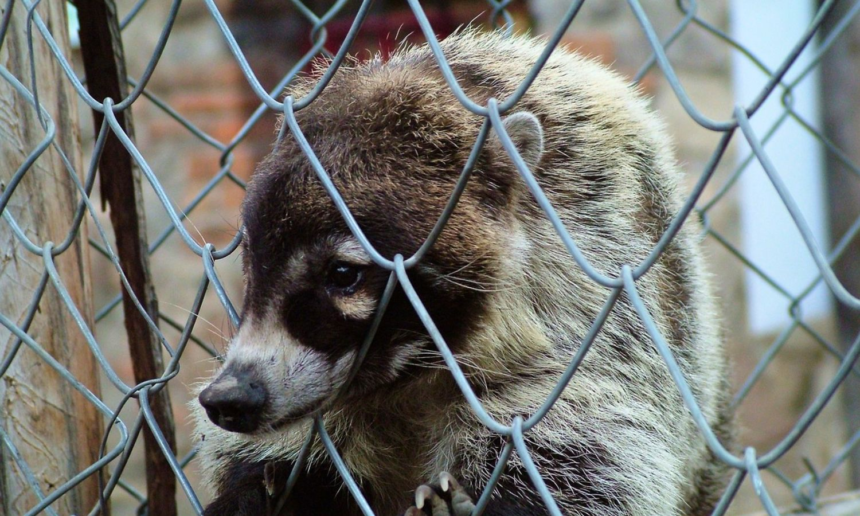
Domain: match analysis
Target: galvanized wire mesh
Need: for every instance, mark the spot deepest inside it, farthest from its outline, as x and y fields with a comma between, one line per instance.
x=751, y=463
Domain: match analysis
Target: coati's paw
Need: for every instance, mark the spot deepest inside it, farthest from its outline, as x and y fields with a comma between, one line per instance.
x=446, y=497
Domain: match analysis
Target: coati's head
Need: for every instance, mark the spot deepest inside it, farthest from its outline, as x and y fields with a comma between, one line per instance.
x=394, y=142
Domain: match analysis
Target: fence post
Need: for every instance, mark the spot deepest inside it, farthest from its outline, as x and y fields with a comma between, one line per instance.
x=104, y=63
x=841, y=89
x=45, y=421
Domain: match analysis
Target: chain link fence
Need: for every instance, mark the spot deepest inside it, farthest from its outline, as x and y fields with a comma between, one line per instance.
x=121, y=433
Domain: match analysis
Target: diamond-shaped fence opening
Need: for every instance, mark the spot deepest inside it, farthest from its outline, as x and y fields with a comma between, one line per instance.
x=74, y=379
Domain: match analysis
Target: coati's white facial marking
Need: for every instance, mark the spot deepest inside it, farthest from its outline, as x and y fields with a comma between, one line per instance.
x=358, y=306
x=361, y=304
x=350, y=250
x=298, y=379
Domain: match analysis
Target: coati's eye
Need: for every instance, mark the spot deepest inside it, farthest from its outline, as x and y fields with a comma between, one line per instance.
x=344, y=278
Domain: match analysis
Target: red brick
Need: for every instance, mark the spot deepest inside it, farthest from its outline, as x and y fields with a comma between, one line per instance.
x=216, y=101
x=225, y=127
x=233, y=196
x=164, y=128
x=244, y=163
x=200, y=166
x=176, y=77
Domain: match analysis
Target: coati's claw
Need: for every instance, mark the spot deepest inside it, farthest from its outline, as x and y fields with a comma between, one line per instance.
x=445, y=480
x=461, y=501
x=423, y=493
x=446, y=498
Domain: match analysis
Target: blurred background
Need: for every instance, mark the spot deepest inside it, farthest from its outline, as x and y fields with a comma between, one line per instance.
x=782, y=327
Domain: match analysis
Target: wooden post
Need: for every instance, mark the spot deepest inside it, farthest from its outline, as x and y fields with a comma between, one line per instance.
x=840, y=91
x=104, y=64
x=53, y=427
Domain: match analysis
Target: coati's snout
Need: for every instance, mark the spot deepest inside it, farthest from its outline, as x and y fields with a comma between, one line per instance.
x=270, y=379
x=235, y=400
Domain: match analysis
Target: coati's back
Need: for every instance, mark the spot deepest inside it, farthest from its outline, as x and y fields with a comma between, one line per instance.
x=608, y=170
x=505, y=292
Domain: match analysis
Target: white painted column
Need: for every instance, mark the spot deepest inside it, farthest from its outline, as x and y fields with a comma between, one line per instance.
x=769, y=29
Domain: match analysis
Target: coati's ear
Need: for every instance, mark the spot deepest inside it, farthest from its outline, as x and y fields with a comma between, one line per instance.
x=527, y=134
x=500, y=175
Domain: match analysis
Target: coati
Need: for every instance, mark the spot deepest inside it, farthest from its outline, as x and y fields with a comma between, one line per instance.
x=502, y=289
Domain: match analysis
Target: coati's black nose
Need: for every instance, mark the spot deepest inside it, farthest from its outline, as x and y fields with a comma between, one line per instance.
x=234, y=401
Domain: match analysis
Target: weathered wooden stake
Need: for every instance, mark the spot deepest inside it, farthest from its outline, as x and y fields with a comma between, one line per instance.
x=53, y=427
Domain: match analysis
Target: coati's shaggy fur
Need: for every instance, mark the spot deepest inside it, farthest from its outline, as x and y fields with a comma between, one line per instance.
x=506, y=295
